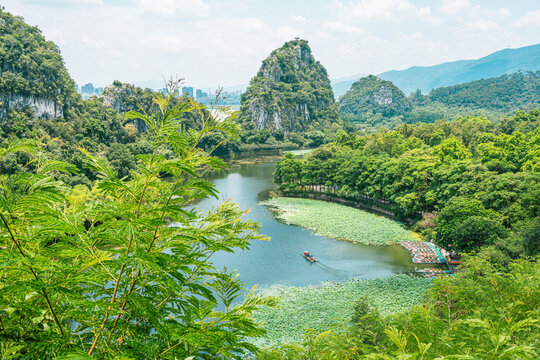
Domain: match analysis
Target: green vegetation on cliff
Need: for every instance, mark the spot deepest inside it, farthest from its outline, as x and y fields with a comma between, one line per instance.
x=289, y=100
x=31, y=68
x=378, y=103
x=373, y=101
x=39, y=101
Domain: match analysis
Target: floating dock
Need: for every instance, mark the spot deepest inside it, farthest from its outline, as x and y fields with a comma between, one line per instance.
x=424, y=252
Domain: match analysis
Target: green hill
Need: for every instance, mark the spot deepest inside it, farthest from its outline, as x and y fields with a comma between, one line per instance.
x=291, y=93
x=373, y=101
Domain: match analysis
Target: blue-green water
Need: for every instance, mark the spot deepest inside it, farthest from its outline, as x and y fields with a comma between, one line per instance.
x=280, y=260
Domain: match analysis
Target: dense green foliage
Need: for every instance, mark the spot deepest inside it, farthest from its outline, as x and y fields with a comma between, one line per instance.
x=30, y=65
x=504, y=93
x=320, y=307
x=290, y=101
x=102, y=273
x=371, y=100
x=483, y=179
x=481, y=313
x=339, y=221
x=493, y=98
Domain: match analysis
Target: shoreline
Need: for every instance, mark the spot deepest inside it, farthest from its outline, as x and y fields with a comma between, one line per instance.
x=340, y=222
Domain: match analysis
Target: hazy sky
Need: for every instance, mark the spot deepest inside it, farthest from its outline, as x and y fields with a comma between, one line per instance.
x=222, y=42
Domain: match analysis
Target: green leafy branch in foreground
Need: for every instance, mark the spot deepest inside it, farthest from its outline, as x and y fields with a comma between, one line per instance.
x=109, y=277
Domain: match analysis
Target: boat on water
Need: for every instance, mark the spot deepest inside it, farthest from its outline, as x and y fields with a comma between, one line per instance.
x=309, y=257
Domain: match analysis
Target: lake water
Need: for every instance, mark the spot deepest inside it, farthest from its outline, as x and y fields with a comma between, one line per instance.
x=279, y=261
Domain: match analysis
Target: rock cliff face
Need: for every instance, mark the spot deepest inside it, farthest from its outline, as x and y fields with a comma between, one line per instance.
x=290, y=92
x=372, y=97
x=42, y=107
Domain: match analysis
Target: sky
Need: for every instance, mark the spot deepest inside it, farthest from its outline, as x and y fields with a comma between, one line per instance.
x=213, y=43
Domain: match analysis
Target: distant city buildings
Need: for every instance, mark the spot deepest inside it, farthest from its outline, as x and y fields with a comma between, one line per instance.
x=203, y=97
x=187, y=91
x=88, y=90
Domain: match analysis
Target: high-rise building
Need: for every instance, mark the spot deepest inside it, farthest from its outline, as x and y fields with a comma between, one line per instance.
x=187, y=91
x=87, y=89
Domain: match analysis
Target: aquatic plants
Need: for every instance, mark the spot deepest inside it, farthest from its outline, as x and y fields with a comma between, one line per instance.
x=484, y=312
x=318, y=307
x=339, y=221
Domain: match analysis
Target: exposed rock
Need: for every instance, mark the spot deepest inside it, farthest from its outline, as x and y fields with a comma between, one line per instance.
x=42, y=107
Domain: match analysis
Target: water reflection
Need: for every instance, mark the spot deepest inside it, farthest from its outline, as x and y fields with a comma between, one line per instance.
x=280, y=260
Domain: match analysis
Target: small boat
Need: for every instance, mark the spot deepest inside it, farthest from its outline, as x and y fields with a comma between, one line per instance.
x=309, y=257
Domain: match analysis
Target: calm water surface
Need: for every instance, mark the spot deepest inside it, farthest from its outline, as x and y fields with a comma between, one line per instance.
x=279, y=261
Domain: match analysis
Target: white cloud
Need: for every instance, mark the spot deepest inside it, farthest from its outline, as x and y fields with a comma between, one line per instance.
x=172, y=7
x=503, y=12
x=287, y=33
x=299, y=19
x=57, y=37
x=248, y=24
x=167, y=43
x=342, y=27
x=93, y=43
x=531, y=18
x=483, y=25
x=393, y=11
x=323, y=35
x=454, y=7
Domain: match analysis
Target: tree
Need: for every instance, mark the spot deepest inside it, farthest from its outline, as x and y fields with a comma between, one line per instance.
x=465, y=225
x=450, y=150
x=109, y=277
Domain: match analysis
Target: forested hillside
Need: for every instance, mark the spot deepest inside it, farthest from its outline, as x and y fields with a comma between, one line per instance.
x=372, y=100
x=91, y=269
x=472, y=182
x=494, y=98
x=32, y=72
x=39, y=101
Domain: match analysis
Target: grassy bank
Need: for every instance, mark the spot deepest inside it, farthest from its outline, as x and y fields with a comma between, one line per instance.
x=318, y=307
x=339, y=221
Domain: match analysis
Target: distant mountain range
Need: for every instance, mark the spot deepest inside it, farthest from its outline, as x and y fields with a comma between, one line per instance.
x=427, y=78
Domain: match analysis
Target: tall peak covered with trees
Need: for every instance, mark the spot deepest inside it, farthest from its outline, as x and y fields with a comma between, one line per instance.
x=371, y=100
x=32, y=72
x=290, y=93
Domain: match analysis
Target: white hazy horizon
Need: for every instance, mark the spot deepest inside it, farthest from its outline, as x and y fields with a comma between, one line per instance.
x=213, y=43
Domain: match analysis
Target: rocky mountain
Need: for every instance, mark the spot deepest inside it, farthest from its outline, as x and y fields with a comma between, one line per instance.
x=427, y=78
x=370, y=99
x=291, y=92
x=375, y=102
x=32, y=73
